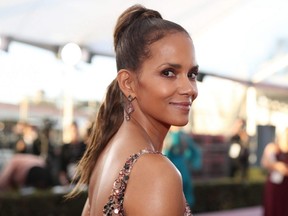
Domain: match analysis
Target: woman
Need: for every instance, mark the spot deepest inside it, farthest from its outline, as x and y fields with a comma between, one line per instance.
x=154, y=89
x=275, y=160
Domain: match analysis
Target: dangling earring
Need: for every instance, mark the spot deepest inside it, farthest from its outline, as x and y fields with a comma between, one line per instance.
x=129, y=109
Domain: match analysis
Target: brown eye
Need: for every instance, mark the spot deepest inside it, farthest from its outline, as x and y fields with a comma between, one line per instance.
x=192, y=75
x=168, y=73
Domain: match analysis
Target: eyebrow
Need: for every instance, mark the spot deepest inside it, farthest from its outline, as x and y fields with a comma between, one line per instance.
x=194, y=68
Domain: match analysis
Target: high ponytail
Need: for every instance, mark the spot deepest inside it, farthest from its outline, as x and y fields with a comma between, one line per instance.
x=136, y=29
x=129, y=16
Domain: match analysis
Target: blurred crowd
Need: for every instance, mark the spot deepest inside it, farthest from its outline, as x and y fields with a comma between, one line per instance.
x=32, y=157
x=39, y=158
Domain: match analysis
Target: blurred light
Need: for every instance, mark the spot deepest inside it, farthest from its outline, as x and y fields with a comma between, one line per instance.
x=252, y=158
x=251, y=110
x=234, y=150
x=71, y=54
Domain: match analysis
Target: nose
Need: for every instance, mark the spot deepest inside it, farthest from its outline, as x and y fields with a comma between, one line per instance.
x=188, y=87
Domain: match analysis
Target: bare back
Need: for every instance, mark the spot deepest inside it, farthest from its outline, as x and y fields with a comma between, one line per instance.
x=140, y=188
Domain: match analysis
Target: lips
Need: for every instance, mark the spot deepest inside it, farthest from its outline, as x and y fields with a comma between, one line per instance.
x=182, y=105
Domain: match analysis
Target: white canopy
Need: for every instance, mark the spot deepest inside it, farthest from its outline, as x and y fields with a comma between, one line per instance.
x=241, y=40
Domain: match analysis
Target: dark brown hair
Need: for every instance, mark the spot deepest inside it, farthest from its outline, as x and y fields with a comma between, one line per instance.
x=136, y=29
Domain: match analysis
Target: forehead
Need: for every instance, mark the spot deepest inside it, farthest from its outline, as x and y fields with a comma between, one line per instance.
x=173, y=48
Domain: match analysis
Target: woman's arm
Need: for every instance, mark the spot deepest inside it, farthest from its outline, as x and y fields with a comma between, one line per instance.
x=269, y=161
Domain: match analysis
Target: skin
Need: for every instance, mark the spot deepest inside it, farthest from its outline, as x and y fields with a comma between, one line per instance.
x=163, y=93
x=268, y=159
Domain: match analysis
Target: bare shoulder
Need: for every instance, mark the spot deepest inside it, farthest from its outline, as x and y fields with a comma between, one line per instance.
x=155, y=185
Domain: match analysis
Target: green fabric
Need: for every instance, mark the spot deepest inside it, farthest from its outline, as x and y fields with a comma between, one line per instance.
x=186, y=156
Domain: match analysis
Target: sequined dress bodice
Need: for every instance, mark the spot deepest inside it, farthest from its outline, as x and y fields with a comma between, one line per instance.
x=114, y=206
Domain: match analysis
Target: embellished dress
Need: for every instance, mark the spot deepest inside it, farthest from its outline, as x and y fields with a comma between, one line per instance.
x=115, y=202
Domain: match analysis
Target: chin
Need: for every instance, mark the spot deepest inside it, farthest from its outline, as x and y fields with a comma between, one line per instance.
x=180, y=123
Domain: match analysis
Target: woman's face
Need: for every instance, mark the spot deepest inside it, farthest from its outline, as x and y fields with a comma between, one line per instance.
x=166, y=85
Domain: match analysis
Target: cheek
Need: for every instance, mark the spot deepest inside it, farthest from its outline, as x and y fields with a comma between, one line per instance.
x=154, y=90
x=160, y=93
x=151, y=97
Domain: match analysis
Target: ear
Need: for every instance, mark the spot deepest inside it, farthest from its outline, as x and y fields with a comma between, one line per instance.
x=126, y=80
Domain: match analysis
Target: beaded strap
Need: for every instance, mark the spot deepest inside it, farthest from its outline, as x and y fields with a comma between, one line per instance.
x=188, y=211
x=116, y=198
x=115, y=202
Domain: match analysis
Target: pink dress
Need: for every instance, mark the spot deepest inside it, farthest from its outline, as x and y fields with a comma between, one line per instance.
x=114, y=205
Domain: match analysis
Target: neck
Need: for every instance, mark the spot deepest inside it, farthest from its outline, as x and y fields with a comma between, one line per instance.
x=155, y=135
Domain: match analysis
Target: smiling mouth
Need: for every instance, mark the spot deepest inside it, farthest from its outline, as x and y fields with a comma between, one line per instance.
x=182, y=105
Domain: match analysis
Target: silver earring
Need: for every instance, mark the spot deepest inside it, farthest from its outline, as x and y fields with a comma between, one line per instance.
x=129, y=108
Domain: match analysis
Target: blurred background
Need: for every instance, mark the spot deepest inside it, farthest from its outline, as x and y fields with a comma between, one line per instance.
x=56, y=60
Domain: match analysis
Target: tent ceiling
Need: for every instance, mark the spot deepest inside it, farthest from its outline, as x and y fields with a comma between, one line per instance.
x=234, y=39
